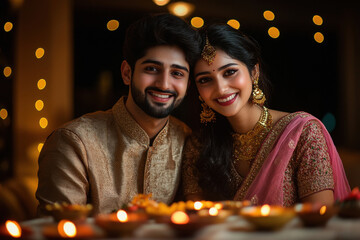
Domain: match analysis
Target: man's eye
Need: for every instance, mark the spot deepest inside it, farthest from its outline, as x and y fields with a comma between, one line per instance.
x=178, y=74
x=230, y=72
x=151, y=69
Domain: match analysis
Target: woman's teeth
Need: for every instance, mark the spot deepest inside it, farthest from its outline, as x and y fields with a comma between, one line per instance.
x=222, y=100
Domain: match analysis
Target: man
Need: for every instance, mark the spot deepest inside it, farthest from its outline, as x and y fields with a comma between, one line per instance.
x=106, y=158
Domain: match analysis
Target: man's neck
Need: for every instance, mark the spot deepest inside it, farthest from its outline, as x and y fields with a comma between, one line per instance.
x=152, y=126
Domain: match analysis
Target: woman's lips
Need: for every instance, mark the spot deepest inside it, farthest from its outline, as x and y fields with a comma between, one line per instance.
x=227, y=100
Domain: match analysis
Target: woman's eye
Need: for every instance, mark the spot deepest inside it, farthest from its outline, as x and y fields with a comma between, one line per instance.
x=230, y=72
x=203, y=80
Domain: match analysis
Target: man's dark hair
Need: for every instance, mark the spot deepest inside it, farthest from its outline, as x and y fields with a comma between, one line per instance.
x=159, y=30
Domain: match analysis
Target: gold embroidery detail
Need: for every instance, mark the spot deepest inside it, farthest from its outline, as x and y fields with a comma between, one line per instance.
x=264, y=152
x=247, y=145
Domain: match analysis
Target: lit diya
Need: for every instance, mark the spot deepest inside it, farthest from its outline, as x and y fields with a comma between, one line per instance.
x=187, y=223
x=121, y=222
x=313, y=215
x=267, y=217
x=11, y=229
x=69, y=229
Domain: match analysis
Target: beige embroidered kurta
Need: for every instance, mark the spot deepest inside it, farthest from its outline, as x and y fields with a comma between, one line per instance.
x=105, y=158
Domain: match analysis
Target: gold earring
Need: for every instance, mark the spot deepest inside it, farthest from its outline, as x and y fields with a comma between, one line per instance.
x=258, y=97
x=207, y=115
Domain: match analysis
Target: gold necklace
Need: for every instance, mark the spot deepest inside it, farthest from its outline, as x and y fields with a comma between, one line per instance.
x=246, y=146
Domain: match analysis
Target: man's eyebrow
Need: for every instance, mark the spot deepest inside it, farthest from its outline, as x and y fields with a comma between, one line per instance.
x=152, y=61
x=180, y=67
x=161, y=64
x=219, y=69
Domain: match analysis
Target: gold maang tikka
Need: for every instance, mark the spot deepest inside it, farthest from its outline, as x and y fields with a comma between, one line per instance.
x=208, y=53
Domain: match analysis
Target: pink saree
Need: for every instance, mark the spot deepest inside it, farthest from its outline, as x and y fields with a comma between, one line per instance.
x=266, y=186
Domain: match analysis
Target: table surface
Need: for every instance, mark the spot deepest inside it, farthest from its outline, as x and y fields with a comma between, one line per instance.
x=234, y=228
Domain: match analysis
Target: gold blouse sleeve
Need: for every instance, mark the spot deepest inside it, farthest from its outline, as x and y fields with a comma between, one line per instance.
x=189, y=171
x=314, y=173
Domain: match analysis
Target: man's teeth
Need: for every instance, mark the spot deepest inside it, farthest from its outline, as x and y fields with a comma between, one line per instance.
x=222, y=100
x=160, y=95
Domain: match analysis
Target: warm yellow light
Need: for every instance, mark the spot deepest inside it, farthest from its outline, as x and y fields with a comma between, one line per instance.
x=317, y=20
x=181, y=9
x=39, y=53
x=180, y=217
x=3, y=113
x=41, y=84
x=197, y=22
x=265, y=210
x=39, y=105
x=234, y=23
x=112, y=25
x=13, y=228
x=322, y=210
x=122, y=216
x=319, y=37
x=161, y=2
x=40, y=146
x=218, y=206
x=8, y=26
x=198, y=205
x=67, y=229
x=213, y=211
x=43, y=122
x=269, y=15
x=274, y=32
x=7, y=71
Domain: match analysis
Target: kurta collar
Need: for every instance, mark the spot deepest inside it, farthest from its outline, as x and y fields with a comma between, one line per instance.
x=130, y=127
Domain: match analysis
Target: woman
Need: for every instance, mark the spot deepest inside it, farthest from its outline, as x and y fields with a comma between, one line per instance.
x=245, y=150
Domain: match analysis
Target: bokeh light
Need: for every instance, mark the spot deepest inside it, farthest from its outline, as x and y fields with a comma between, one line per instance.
x=329, y=121
x=7, y=71
x=43, y=122
x=8, y=26
x=39, y=53
x=234, y=23
x=161, y=2
x=39, y=105
x=319, y=37
x=317, y=20
x=3, y=113
x=269, y=15
x=40, y=146
x=112, y=25
x=181, y=9
x=274, y=32
x=197, y=22
x=41, y=84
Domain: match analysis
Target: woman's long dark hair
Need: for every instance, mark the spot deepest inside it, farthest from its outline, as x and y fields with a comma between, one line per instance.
x=215, y=159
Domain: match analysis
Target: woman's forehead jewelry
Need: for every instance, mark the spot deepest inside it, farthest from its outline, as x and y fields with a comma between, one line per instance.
x=208, y=53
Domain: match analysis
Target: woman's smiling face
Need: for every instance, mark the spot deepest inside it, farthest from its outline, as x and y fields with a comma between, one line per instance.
x=225, y=85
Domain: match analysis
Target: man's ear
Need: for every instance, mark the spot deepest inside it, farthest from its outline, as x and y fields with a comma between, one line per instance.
x=126, y=72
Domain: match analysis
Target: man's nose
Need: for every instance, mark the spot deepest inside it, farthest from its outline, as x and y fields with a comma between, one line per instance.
x=163, y=81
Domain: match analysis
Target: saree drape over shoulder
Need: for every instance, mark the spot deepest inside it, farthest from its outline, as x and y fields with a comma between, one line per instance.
x=296, y=159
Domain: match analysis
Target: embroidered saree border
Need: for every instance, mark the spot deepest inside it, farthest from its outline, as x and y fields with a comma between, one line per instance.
x=265, y=150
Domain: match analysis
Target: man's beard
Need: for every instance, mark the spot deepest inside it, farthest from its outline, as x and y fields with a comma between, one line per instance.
x=156, y=110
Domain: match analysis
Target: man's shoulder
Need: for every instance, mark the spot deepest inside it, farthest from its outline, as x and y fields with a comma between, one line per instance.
x=179, y=126
x=94, y=120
